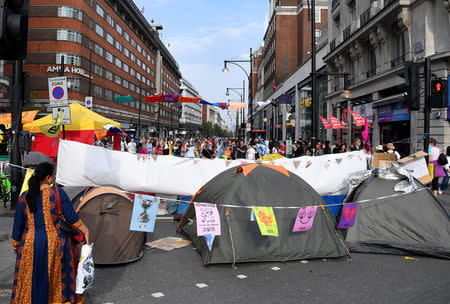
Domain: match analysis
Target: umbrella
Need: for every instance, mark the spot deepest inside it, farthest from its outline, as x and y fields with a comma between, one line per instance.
x=35, y=158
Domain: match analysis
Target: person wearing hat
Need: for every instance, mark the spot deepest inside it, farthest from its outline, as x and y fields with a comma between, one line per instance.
x=379, y=149
x=391, y=149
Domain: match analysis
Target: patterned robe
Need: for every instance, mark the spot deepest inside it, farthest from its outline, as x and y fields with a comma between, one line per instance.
x=47, y=261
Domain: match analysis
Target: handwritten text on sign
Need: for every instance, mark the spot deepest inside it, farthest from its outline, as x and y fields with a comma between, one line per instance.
x=208, y=220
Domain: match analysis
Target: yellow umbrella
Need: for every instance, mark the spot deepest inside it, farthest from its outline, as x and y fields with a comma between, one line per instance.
x=271, y=157
x=81, y=119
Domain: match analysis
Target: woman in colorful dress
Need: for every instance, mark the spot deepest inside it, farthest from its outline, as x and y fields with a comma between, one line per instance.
x=438, y=170
x=47, y=260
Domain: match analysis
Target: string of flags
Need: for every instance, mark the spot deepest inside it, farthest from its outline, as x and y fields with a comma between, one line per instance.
x=335, y=123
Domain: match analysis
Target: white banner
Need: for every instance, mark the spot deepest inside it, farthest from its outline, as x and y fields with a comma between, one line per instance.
x=85, y=165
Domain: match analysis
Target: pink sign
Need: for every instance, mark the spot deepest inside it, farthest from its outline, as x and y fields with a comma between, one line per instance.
x=305, y=218
x=208, y=220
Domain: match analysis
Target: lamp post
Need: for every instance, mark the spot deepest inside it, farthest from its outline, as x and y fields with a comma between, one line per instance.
x=242, y=101
x=250, y=99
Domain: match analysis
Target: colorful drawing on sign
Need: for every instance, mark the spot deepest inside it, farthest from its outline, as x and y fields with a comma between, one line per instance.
x=252, y=216
x=58, y=92
x=209, y=240
x=208, y=219
x=305, y=218
x=144, y=213
x=348, y=216
x=266, y=220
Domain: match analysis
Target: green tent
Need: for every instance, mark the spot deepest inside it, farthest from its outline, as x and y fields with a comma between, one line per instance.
x=262, y=185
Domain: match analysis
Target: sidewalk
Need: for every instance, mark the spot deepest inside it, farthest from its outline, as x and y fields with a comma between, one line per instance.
x=7, y=257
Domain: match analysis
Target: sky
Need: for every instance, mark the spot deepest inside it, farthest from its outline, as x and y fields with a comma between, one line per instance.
x=201, y=34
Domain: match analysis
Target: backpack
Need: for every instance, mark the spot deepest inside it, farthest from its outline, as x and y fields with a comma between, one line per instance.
x=442, y=160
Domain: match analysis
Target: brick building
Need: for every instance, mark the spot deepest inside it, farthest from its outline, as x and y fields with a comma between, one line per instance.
x=109, y=50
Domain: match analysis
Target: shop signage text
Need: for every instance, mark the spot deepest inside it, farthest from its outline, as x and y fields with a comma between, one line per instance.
x=73, y=70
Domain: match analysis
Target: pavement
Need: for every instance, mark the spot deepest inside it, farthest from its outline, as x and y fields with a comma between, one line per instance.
x=179, y=276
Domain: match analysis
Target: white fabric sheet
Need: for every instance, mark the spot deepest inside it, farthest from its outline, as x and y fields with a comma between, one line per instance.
x=85, y=165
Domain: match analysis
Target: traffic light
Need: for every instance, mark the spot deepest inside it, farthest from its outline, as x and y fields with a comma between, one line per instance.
x=438, y=96
x=412, y=81
x=13, y=29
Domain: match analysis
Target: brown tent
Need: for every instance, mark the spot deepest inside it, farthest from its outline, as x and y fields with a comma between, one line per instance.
x=106, y=211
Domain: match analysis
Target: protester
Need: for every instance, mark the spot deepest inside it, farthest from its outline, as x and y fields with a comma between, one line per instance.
x=197, y=149
x=251, y=152
x=241, y=151
x=438, y=170
x=356, y=145
x=379, y=149
x=298, y=149
x=444, y=184
x=207, y=152
x=344, y=148
x=141, y=149
x=327, y=149
x=149, y=146
x=283, y=148
x=275, y=148
x=46, y=258
x=391, y=149
x=131, y=147
x=337, y=148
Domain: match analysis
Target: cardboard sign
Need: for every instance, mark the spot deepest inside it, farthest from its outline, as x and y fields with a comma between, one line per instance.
x=208, y=219
x=144, y=213
x=305, y=218
x=416, y=162
x=266, y=220
x=348, y=216
x=383, y=160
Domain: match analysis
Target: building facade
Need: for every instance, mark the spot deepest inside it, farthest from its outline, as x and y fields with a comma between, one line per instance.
x=109, y=50
x=371, y=40
x=191, y=113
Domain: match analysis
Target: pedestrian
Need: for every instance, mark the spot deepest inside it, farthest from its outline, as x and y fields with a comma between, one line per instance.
x=141, y=149
x=149, y=146
x=435, y=152
x=356, y=145
x=327, y=149
x=241, y=151
x=275, y=148
x=251, y=152
x=444, y=184
x=207, y=152
x=337, y=148
x=47, y=259
x=379, y=149
x=298, y=150
x=197, y=150
x=131, y=147
x=344, y=148
x=283, y=148
x=391, y=149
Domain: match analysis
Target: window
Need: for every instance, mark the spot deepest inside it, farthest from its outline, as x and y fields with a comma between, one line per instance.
x=109, y=56
x=69, y=59
x=126, y=52
x=108, y=75
x=399, y=44
x=144, y=66
x=73, y=84
x=70, y=12
x=132, y=57
x=144, y=53
x=126, y=36
x=126, y=68
x=110, y=39
x=138, y=61
x=98, y=91
x=139, y=48
x=119, y=29
x=99, y=10
x=138, y=76
x=133, y=43
x=108, y=95
x=98, y=70
x=318, y=16
x=118, y=46
x=99, y=30
x=132, y=72
x=118, y=63
x=117, y=79
x=131, y=86
x=110, y=20
x=98, y=50
x=68, y=35
x=318, y=33
x=125, y=84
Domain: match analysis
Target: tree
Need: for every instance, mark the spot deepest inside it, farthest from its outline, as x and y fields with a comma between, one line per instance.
x=206, y=128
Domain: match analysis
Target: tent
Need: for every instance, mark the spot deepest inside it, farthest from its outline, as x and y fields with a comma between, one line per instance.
x=106, y=211
x=81, y=129
x=262, y=185
x=398, y=223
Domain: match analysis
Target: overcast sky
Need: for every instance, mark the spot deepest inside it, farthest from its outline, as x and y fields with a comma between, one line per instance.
x=200, y=34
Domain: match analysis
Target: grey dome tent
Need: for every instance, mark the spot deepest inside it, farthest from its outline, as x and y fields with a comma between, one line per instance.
x=401, y=223
x=262, y=185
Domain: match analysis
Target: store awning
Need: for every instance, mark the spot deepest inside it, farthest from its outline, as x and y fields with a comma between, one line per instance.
x=389, y=100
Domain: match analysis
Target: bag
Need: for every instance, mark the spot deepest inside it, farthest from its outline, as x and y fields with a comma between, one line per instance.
x=85, y=272
x=74, y=234
x=442, y=160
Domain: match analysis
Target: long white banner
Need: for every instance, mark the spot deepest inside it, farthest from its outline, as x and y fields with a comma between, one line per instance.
x=85, y=165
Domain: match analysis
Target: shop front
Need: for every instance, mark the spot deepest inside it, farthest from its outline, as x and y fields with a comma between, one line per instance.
x=394, y=121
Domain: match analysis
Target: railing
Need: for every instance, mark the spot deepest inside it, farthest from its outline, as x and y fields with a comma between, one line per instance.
x=334, y=4
x=398, y=61
x=371, y=73
x=332, y=45
x=347, y=32
x=365, y=17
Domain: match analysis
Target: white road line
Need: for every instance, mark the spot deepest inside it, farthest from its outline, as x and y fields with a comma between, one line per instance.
x=201, y=285
x=275, y=268
x=241, y=276
x=157, y=295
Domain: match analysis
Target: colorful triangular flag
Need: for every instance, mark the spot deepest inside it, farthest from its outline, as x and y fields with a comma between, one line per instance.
x=326, y=123
x=359, y=120
x=335, y=123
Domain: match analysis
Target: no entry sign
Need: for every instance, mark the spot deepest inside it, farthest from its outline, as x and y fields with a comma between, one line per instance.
x=57, y=91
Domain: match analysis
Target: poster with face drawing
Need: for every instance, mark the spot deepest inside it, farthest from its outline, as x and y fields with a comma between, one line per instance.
x=208, y=220
x=144, y=213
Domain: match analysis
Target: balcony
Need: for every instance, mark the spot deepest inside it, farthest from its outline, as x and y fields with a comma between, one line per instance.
x=332, y=45
x=335, y=4
x=371, y=73
x=365, y=17
x=347, y=33
x=397, y=61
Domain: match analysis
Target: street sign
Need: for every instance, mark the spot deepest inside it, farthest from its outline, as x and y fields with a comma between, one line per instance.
x=66, y=112
x=247, y=124
x=57, y=91
x=88, y=101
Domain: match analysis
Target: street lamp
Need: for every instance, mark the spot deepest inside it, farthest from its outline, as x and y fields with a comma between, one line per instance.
x=242, y=101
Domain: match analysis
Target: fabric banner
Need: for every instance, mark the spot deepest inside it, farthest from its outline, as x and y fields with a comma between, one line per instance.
x=237, y=105
x=326, y=123
x=171, y=97
x=266, y=220
x=97, y=166
x=348, y=215
x=156, y=98
x=189, y=99
x=262, y=104
x=359, y=120
x=305, y=218
x=27, y=117
x=208, y=219
x=144, y=213
x=335, y=123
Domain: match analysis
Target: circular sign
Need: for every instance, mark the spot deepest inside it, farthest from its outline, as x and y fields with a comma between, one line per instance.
x=58, y=92
x=88, y=102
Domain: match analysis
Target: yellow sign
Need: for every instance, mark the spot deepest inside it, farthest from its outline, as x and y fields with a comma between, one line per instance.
x=53, y=130
x=266, y=220
x=25, y=181
x=306, y=102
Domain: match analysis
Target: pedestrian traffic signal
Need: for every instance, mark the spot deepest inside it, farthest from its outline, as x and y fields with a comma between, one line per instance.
x=13, y=29
x=437, y=87
x=438, y=96
x=412, y=82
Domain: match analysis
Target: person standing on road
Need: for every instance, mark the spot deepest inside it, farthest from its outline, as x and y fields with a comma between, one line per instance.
x=131, y=147
x=251, y=153
x=47, y=260
x=438, y=170
x=241, y=151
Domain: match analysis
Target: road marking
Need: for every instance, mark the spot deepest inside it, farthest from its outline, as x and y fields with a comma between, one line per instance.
x=201, y=285
x=303, y=261
x=157, y=295
x=241, y=276
x=275, y=268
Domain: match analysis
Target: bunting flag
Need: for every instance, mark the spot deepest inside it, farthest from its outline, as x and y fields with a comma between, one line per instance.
x=252, y=216
x=237, y=105
x=348, y=215
x=156, y=98
x=209, y=103
x=144, y=213
x=335, y=123
x=359, y=120
x=263, y=103
x=207, y=217
x=285, y=99
x=27, y=117
x=100, y=134
x=142, y=10
x=25, y=181
x=305, y=218
x=266, y=220
x=171, y=97
x=53, y=130
x=274, y=87
x=365, y=135
x=209, y=240
x=326, y=123
x=189, y=99
x=223, y=105
x=296, y=164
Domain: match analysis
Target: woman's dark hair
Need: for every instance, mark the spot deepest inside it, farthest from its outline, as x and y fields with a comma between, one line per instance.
x=138, y=147
x=432, y=141
x=34, y=183
x=448, y=151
